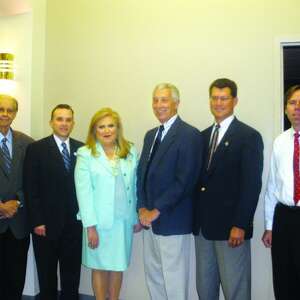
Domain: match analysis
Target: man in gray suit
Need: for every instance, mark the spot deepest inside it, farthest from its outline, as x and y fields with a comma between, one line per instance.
x=14, y=229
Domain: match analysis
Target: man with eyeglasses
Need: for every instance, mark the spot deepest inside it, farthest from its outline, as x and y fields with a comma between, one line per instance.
x=14, y=228
x=229, y=188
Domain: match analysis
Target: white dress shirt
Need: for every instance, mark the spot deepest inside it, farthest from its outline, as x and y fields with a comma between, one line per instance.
x=9, y=141
x=280, y=186
x=167, y=125
x=59, y=142
x=223, y=128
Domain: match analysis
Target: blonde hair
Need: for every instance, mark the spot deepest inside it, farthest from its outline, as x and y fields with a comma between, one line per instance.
x=123, y=146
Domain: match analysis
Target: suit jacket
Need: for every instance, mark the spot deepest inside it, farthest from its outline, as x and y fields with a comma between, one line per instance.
x=228, y=192
x=169, y=184
x=11, y=186
x=49, y=187
x=95, y=187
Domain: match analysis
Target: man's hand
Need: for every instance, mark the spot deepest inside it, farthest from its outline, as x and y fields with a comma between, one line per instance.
x=236, y=237
x=40, y=230
x=9, y=208
x=267, y=238
x=148, y=216
x=93, y=237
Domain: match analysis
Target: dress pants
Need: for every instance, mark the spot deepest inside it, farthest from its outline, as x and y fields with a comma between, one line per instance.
x=13, y=261
x=65, y=250
x=217, y=263
x=286, y=253
x=167, y=261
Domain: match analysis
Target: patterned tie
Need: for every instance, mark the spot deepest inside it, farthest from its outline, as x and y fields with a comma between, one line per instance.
x=66, y=156
x=296, y=168
x=6, y=156
x=213, y=145
x=156, y=143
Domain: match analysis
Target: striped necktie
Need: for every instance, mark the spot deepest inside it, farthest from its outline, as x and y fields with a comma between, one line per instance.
x=66, y=156
x=213, y=145
x=6, y=155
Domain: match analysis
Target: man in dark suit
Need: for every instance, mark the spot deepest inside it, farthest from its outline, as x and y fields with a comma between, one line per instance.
x=167, y=174
x=229, y=188
x=14, y=229
x=52, y=205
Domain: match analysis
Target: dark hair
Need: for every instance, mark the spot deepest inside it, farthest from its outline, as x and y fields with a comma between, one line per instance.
x=61, y=106
x=289, y=93
x=222, y=83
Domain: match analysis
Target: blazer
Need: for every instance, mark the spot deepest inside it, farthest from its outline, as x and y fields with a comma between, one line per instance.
x=95, y=187
x=49, y=187
x=228, y=192
x=169, y=182
x=11, y=186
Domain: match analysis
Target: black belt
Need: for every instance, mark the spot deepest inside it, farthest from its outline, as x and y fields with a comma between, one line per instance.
x=292, y=207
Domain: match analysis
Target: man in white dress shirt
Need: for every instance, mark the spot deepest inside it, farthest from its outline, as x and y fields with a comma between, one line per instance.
x=282, y=205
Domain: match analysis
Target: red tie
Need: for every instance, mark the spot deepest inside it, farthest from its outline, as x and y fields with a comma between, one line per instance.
x=296, y=168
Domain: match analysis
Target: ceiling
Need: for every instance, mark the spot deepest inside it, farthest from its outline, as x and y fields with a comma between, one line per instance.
x=14, y=7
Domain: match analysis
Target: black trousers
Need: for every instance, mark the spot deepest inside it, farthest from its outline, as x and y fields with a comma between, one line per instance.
x=13, y=261
x=286, y=253
x=65, y=250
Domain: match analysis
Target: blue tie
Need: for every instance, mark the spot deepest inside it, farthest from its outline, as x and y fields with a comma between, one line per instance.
x=66, y=156
x=156, y=143
x=6, y=155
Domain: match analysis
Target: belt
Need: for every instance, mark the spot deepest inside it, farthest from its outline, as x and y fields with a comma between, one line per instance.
x=292, y=207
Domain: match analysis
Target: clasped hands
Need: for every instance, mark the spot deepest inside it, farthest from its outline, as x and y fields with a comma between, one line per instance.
x=147, y=216
x=9, y=208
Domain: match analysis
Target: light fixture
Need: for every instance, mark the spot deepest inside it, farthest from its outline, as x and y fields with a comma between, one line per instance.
x=6, y=66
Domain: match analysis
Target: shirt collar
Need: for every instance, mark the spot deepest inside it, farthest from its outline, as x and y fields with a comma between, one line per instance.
x=170, y=122
x=59, y=141
x=226, y=122
x=9, y=136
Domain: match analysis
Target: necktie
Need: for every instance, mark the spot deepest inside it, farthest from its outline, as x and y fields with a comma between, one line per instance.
x=156, y=143
x=66, y=156
x=296, y=168
x=6, y=155
x=213, y=145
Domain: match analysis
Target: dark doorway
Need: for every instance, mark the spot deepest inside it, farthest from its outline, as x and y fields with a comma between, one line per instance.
x=291, y=71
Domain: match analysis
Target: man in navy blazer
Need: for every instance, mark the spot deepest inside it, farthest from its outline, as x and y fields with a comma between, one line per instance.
x=167, y=175
x=229, y=188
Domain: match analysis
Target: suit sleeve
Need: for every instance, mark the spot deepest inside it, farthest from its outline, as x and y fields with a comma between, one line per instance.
x=32, y=186
x=188, y=166
x=139, y=184
x=84, y=189
x=250, y=180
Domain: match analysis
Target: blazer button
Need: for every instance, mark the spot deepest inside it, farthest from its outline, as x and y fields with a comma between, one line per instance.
x=203, y=189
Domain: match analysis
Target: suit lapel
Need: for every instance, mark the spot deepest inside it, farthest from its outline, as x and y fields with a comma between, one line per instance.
x=16, y=154
x=55, y=156
x=224, y=145
x=167, y=141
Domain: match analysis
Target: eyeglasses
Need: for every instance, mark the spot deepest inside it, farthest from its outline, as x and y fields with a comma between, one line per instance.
x=9, y=111
x=221, y=98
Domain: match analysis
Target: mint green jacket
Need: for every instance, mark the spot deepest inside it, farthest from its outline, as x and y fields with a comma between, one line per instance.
x=95, y=187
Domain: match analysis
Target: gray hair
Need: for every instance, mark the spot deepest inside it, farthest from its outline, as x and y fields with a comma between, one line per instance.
x=174, y=90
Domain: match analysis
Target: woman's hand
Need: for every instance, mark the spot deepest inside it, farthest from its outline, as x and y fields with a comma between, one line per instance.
x=93, y=237
x=137, y=227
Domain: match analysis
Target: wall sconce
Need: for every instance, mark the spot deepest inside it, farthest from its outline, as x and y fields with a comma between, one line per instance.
x=6, y=66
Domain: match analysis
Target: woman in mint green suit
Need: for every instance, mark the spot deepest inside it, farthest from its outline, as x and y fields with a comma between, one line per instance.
x=105, y=178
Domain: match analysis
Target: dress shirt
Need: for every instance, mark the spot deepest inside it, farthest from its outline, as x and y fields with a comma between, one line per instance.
x=223, y=128
x=280, y=186
x=59, y=141
x=8, y=142
x=167, y=125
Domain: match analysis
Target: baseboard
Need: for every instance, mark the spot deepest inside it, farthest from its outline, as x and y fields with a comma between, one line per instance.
x=81, y=297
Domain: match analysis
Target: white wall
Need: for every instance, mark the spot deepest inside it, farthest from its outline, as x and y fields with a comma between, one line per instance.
x=111, y=53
